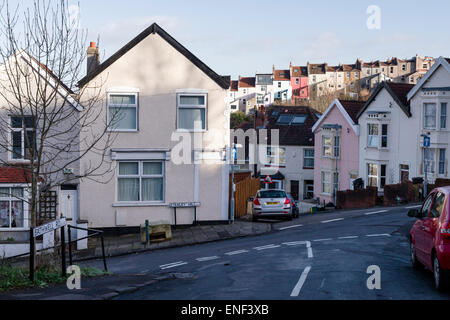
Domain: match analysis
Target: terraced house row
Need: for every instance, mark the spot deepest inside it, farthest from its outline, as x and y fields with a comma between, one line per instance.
x=298, y=84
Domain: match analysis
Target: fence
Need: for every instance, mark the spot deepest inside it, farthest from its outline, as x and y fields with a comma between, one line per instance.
x=400, y=193
x=357, y=199
x=244, y=190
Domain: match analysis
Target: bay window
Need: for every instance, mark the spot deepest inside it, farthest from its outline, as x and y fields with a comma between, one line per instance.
x=123, y=111
x=12, y=208
x=441, y=161
x=192, y=111
x=326, y=183
x=140, y=181
x=376, y=175
x=430, y=163
x=23, y=138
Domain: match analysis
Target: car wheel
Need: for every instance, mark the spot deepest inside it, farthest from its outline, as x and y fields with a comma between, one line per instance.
x=415, y=263
x=440, y=280
x=289, y=217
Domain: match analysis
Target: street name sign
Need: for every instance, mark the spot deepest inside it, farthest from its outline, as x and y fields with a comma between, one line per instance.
x=184, y=204
x=49, y=227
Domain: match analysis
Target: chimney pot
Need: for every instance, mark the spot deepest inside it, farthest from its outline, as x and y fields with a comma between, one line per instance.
x=93, y=57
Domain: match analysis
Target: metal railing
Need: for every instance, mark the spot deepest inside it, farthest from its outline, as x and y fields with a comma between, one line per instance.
x=95, y=233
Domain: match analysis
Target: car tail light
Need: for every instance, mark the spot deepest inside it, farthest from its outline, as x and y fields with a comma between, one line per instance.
x=445, y=231
x=256, y=202
x=287, y=201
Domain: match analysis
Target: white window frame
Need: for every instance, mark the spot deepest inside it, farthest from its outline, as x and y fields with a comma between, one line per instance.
x=272, y=155
x=435, y=115
x=326, y=183
x=136, y=106
x=24, y=205
x=204, y=106
x=141, y=176
x=378, y=176
x=442, y=117
x=10, y=141
x=308, y=158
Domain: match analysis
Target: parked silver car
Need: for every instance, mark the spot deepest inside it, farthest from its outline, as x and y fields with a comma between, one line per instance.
x=272, y=204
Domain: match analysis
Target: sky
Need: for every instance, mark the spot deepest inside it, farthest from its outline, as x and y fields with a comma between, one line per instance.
x=244, y=37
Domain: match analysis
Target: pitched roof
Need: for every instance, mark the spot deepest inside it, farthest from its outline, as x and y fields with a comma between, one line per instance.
x=234, y=85
x=294, y=134
x=297, y=71
x=352, y=107
x=398, y=91
x=247, y=82
x=155, y=28
x=317, y=68
x=348, y=108
x=441, y=61
x=281, y=75
x=13, y=175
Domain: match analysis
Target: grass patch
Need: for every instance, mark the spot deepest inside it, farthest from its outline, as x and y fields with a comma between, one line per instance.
x=18, y=278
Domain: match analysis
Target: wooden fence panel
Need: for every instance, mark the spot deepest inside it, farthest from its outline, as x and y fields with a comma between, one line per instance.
x=244, y=190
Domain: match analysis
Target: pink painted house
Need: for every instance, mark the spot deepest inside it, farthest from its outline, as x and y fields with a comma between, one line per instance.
x=299, y=82
x=336, y=135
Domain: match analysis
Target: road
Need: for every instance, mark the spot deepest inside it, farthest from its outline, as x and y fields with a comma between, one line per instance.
x=314, y=257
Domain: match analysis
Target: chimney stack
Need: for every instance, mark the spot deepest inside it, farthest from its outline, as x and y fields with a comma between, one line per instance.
x=93, y=57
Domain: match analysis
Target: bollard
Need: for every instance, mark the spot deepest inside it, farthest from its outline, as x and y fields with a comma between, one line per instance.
x=147, y=234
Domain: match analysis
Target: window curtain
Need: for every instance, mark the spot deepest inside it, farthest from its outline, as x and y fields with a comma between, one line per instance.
x=430, y=115
x=188, y=118
x=152, y=189
x=128, y=189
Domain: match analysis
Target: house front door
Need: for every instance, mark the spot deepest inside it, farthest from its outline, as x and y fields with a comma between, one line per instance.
x=68, y=202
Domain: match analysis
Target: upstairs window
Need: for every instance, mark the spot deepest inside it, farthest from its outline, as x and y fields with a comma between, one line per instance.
x=443, y=115
x=23, y=138
x=429, y=121
x=308, y=158
x=192, y=111
x=123, y=112
x=276, y=156
x=372, y=136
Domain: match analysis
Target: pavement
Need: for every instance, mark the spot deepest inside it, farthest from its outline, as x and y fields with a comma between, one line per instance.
x=181, y=236
x=321, y=256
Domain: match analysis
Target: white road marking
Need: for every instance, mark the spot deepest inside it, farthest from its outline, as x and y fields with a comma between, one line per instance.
x=414, y=207
x=295, y=243
x=371, y=213
x=270, y=246
x=321, y=240
x=290, y=227
x=348, y=237
x=173, y=265
x=296, y=291
x=378, y=235
x=310, y=253
x=232, y=253
x=207, y=258
x=334, y=220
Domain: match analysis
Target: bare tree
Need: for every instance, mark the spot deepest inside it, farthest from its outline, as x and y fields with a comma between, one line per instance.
x=42, y=112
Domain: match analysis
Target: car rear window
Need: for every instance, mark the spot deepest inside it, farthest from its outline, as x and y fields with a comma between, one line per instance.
x=271, y=194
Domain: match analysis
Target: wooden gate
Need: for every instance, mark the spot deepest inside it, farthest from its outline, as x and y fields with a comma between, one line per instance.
x=244, y=190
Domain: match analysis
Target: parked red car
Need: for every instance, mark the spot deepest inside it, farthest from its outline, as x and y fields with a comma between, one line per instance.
x=430, y=236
